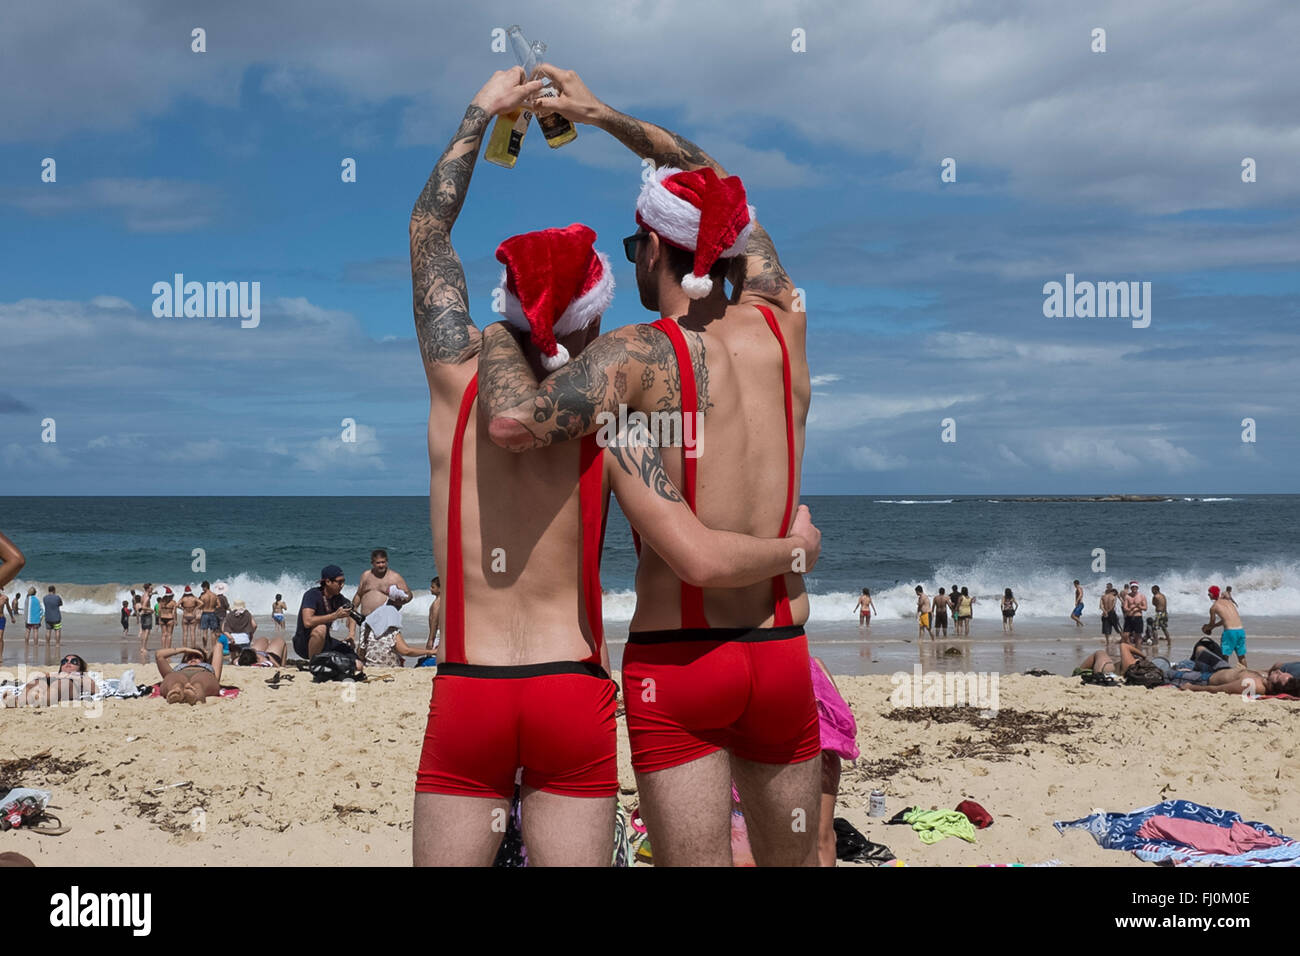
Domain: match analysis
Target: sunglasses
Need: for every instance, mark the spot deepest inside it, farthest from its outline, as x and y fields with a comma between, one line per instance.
x=631, y=244
x=72, y=659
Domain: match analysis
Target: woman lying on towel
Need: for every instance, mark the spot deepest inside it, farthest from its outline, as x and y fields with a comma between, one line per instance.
x=262, y=653
x=192, y=681
x=70, y=682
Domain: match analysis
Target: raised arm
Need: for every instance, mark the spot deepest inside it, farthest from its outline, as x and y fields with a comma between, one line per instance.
x=619, y=368
x=11, y=560
x=758, y=274
x=700, y=556
x=446, y=333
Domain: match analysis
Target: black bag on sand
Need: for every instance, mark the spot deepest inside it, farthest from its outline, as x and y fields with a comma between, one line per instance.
x=852, y=847
x=1145, y=674
x=333, y=665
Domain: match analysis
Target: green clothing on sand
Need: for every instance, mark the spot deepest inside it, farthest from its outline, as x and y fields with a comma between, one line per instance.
x=933, y=825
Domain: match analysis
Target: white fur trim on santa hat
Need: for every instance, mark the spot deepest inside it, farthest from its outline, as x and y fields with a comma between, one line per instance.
x=582, y=311
x=696, y=287
x=677, y=220
x=558, y=360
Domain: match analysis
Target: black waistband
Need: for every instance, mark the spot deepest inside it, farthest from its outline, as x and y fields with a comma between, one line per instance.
x=516, y=671
x=717, y=634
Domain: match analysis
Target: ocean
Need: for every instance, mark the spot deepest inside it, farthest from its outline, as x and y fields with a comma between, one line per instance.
x=95, y=549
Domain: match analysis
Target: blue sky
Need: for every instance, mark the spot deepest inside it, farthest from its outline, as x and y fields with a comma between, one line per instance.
x=924, y=298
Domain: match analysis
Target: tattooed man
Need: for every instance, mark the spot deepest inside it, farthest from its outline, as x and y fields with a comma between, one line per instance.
x=522, y=680
x=716, y=682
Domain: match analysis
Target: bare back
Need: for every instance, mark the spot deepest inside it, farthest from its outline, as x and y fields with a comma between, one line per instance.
x=521, y=538
x=742, y=463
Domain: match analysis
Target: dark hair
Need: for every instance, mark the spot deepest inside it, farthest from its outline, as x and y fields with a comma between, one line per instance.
x=682, y=263
x=963, y=591
x=247, y=657
x=279, y=597
x=378, y=553
x=205, y=584
x=437, y=581
x=51, y=588
x=940, y=590
x=81, y=663
x=1155, y=587
x=919, y=589
x=1007, y=593
x=865, y=591
x=1076, y=580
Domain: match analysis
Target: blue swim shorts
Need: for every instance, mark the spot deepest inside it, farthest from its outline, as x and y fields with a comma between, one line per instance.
x=1234, y=642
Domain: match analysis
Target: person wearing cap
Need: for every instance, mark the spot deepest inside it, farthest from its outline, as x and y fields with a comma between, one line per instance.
x=735, y=369
x=1135, y=605
x=321, y=607
x=189, y=605
x=166, y=616
x=1224, y=614
x=523, y=678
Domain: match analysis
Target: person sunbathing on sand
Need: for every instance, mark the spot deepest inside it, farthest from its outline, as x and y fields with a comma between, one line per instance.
x=262, y=653
x=1231, y=680
x=68, y=683
x=1100, y=662
x=193, y=681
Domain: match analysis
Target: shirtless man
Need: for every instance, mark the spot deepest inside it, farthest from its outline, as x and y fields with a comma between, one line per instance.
x=144, y=615
x=387, y=648
x=1161, y=605
x=1077, y=614
x=923, y=613
x=1223, y=613
x=208, y=624
x=718, y=684
x=1109, y=622
x=1135, y=606
x=866, y=607
x=941, y=604
x=521, y=679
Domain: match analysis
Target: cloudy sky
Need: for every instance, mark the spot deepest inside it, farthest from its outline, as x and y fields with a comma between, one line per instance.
x=925, y=298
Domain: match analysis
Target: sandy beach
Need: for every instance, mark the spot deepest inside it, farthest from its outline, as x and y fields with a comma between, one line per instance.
x=322, y=774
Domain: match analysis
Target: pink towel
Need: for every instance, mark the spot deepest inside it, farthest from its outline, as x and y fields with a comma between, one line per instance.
x=838, y=728
x=1207, y=837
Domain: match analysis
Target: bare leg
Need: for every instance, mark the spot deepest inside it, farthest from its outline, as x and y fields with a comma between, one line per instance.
x=830, y=790
x=782, y=807
x=567, y=831
x=459, y=831
x=687, y=812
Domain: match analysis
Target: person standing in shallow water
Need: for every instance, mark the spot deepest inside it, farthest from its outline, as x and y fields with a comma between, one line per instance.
x=1077, y=614
x=865, y=608
x=941, y=604
x=1009, y=607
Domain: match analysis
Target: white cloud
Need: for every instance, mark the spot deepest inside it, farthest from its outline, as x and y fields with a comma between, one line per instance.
x=824, y=379
x=331, y=453
x=837, y=412
x=870, y=459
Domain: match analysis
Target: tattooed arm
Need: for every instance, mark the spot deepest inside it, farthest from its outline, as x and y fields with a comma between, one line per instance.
x=757, y=274
x=699, y=556
x=445, y=331
x=631, y=366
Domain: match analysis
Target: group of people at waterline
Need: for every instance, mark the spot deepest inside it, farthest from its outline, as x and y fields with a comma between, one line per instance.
x=933, y=613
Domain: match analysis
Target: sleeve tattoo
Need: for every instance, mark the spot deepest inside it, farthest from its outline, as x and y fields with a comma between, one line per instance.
x=443, y=326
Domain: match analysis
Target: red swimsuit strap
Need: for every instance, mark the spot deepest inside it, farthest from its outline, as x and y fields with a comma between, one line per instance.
x=783, y=618
x=591, y=504
x=590, y=498
x=453, y=638
x=692, y=597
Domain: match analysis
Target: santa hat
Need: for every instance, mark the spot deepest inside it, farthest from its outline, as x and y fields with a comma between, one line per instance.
x=554, y=283
x=699, y=212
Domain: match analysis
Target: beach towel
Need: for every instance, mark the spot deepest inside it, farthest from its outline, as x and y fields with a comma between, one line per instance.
x=839, y=730
x=1123, y=831
x=1240, y=837
x=933, y=825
